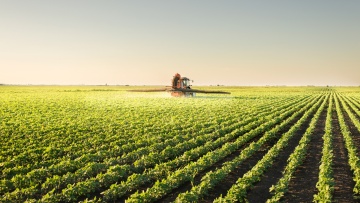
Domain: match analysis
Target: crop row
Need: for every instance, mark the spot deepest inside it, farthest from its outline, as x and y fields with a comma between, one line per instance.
x=354, y=160
x=89, y=169
x=172, y=181
x=104, y=147
x=295, y=160
x=325, y=184
x=127, y=145
x=135, y=180
x=239, y=190
x=211, y=179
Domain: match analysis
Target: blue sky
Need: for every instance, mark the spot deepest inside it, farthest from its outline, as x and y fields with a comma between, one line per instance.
x=212, y=42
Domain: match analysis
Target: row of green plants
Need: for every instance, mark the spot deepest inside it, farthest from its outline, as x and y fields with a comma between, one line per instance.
x=133, y=144
x=351, y=109
x=44, y=156
x=136, y=180
x=325, y=184
x=295, y=159
x=353, y=158
x=71, y=130
x=188, y=173
x=89, y=170
x=238, y=191
x=212, y=178
x=127, y=144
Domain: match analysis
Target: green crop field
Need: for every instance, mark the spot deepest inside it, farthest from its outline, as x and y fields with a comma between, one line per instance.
x=104, y=144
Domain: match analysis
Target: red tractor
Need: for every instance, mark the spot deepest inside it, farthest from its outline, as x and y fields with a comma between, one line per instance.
x=180, y=86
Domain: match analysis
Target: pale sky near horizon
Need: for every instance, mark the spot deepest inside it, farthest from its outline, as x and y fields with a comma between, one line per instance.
x=146, y=42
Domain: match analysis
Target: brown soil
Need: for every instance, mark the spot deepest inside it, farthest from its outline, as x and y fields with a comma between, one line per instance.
x=302, y=186
x=352, y=128
x=187, y=186
x=226, y=184
x=341, y=169
x=260, y=192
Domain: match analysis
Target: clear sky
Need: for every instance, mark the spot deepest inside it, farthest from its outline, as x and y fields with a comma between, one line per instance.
x=227, y=42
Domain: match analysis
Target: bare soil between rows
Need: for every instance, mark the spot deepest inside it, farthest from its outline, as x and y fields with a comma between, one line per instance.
x=355, y=134
x=225, y=185
x=344, y=183
x=302, y=186
x=260, y=192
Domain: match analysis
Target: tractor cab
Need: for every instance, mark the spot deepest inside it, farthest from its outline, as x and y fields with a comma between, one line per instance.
x=185, y=83
x=179, y=82
x=180, y=87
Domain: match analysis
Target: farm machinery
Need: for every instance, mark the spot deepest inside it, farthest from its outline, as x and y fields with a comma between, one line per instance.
x=180, y=87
